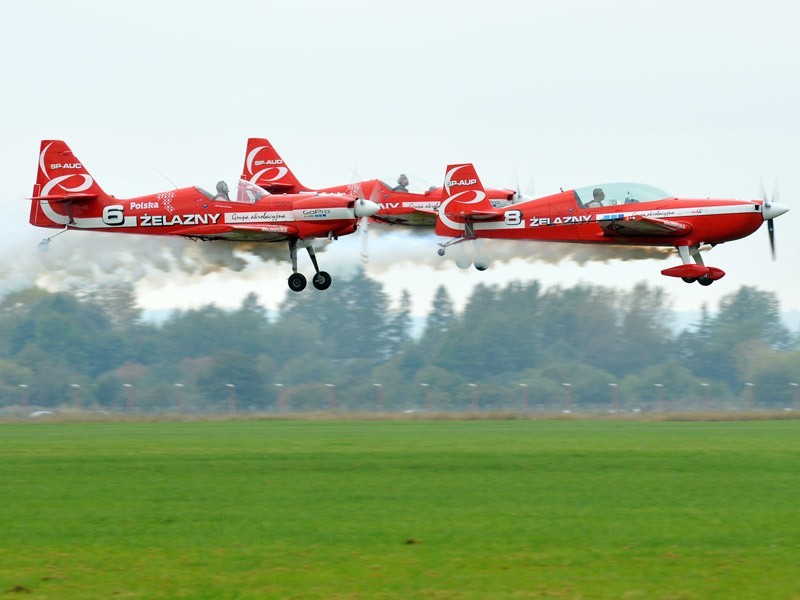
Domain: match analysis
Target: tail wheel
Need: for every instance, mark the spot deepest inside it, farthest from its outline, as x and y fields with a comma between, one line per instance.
x=321, y=281
x=297, y=282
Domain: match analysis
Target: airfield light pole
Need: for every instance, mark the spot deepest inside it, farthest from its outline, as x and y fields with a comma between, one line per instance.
x=795, y=392
x=706, y=395
x=76, y=393
x=475, y=405
x=128, y=397
x=751, y=394
x=426, y=395
x=231, y=396
x=25, y=391
x=181, y=393
x=614, y=396
x=568, y=397
x=281, y=397
x=378, y=397
x=660, y=388
x=526, y=396
x=331, y=396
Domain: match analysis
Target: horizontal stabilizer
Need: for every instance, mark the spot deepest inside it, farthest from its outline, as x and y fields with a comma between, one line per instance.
x=284, y=188
x=66, y=197
x=475, y=216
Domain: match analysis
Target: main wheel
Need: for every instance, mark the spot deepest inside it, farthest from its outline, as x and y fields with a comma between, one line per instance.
x=321, y=281
x=297, y=282
x=689, y=279
x=705, y=280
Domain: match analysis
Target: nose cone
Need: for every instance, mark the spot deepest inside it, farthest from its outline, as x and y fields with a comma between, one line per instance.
x=773, y=210
x=365, y=208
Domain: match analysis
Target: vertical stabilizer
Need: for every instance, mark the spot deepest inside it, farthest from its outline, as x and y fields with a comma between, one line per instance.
x=264, y=167
x=463, y=201
x=61, y=180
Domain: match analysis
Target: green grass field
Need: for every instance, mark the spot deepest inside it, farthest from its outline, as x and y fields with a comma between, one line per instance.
x=399, y=509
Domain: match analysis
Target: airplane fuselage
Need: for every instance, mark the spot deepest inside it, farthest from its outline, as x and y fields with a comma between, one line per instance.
x=561, y=217
x=189, y=212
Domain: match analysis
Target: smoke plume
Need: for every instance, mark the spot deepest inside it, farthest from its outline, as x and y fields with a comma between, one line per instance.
x=77, y=259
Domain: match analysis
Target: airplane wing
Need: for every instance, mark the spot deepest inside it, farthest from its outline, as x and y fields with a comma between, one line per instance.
x=240, y=233
x=638, y=225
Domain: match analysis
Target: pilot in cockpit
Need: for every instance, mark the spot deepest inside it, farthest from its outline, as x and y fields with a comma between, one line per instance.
x=222, y=191
x=597, y=198
x=402, y=184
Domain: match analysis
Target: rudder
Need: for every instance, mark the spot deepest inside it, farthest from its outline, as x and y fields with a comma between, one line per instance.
x=264, y=167
x=61, y=177
x=463, y=200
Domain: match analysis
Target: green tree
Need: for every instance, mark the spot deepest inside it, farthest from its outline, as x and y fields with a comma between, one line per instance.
x=643, y=336
x=398, y=329
x=77, y=335
x=747, y=318
x=440, y=317
x=234, y=376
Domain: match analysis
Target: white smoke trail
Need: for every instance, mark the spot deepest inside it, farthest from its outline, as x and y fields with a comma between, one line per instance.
x=77, y=259
x=389, y=247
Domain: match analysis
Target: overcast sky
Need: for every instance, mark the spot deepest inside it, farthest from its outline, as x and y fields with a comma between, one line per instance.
x=699, y=98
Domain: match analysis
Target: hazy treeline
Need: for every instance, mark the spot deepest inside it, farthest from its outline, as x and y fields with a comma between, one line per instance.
x=349, y=348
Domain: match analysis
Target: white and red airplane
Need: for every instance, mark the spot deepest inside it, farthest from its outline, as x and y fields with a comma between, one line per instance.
x=66, y=197
x=618, y=213
x=264, y=167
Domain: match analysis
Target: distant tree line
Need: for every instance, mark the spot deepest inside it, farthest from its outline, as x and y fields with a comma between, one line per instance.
x=517, y=347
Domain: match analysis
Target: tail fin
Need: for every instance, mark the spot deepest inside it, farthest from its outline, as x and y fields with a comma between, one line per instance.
x=62, y=176
x=464, y=201
x=264, y=167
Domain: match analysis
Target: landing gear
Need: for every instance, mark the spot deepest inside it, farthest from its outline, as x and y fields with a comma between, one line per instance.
x=297, y=281
x=45, y=243
x=321, y=281
x=693, y=268
x=705, y=280
x=468, y=256
x=443, y=247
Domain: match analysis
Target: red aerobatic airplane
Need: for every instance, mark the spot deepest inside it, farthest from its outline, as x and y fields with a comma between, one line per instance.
x=264, y=167
x=66, y=196
x=617, y=213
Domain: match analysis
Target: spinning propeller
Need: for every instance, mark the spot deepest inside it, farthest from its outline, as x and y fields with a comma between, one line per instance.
x=769, y=210
x=518, y=196
x=363, y=210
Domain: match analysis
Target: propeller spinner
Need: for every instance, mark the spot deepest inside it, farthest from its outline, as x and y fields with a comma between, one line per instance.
x=770, y=210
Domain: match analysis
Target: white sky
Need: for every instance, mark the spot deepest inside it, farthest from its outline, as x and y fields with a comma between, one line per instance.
x=699, y=98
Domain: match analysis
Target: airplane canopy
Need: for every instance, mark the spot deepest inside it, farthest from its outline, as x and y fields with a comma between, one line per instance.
x=619, y=193
x=245, y=193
